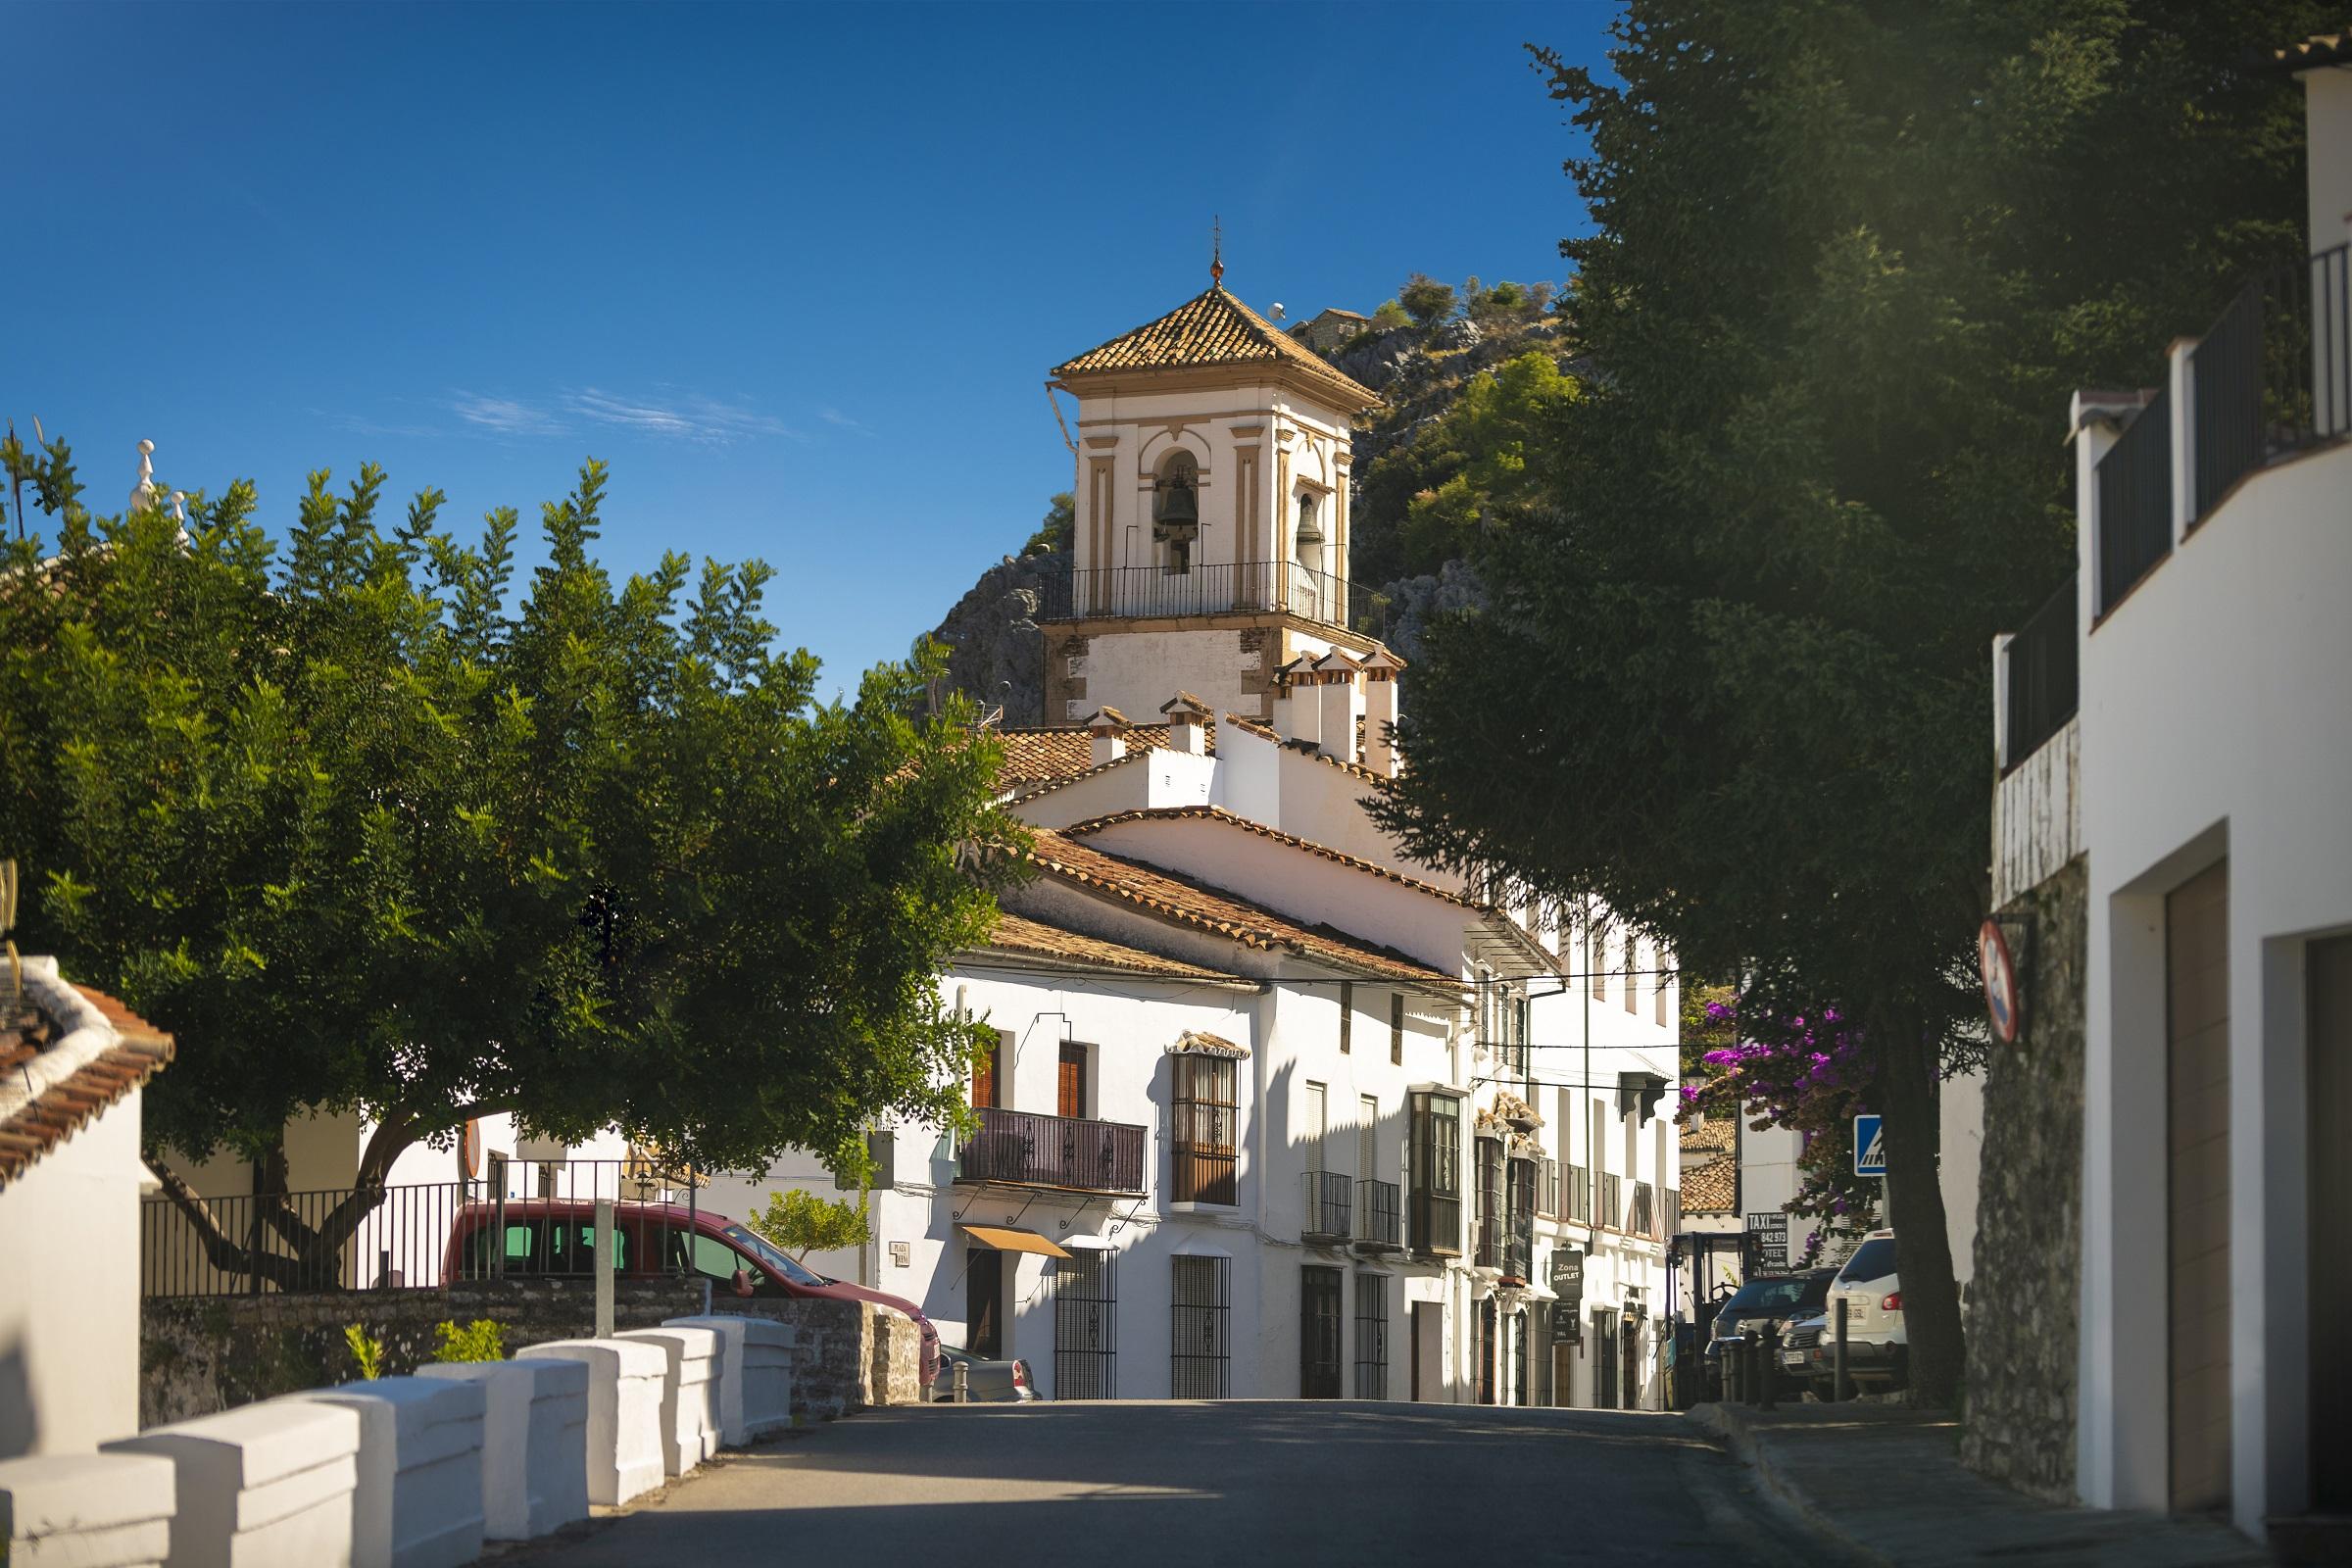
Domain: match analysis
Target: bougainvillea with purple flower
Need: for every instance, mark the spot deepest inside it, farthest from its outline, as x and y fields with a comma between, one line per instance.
x=1807, y=1071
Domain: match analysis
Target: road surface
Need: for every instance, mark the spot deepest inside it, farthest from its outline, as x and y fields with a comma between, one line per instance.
x=1134, y=1486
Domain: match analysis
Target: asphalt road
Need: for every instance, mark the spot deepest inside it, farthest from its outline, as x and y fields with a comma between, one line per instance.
x=1129, y=1486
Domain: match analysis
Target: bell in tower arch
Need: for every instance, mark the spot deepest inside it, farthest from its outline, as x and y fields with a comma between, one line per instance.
x=1178, y=502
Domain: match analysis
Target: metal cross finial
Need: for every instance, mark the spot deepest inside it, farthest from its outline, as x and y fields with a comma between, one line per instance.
x=1216, y=249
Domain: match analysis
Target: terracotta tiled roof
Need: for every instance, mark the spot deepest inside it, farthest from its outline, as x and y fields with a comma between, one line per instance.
x=71, y=1096
x=2321, y=49
x=1213, y=328
x=1209, y=909
x=1719, y=1135
x=1037, y=940
x=1712, y=1188
x=1043, y=754
x=1218, y=813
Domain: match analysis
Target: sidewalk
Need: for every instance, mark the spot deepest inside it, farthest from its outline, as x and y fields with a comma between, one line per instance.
x=1886, y=1483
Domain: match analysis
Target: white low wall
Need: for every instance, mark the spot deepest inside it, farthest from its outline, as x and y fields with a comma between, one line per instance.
x=690, y=1394
x=625, y=1379
x=419, y=1502
x=85, y=1510
x=268, y=1486
x=754, y=1374
x=534, y=1443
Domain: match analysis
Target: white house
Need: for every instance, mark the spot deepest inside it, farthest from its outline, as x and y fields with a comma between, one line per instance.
x=2204, y=782
x=73, y=1062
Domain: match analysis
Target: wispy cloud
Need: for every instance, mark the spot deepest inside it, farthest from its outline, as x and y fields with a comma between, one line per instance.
x=836, y=417
x=685, y=417
x=362, y=425
x=503, y=415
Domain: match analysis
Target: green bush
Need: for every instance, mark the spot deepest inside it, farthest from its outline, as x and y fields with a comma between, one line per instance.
x=482, y=1340
x=1390, y=316
x=1426, y=300
x=367, y=1353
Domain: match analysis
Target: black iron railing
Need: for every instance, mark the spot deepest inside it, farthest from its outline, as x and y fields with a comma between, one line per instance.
x=530, y=1219
x=2043, y=664
x=1023, y=1148
x=2274, y=374
x=2135, y=502
x=1642, y=1218
x=1437, y=1222
x=1130, y=593
x=1378, y=1214
x=1328, y=1206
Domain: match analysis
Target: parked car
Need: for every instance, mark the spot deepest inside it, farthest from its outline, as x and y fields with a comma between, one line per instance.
x=986, y=1382
x=557, y=1235
x=1765, y=1298
x=1806, y=1354
x=1877, y=1351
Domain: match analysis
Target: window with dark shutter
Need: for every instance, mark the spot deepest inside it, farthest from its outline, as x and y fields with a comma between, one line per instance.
x=1346, y=1013
x=1397, y=1028
x=1205, y=1112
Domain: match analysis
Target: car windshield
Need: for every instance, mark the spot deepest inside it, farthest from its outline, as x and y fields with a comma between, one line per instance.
x=1874, y=1259
x=1817, y=1293
x=1765, y=1298
x=772, y=1256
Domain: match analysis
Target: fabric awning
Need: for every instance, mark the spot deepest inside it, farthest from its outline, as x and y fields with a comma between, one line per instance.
x=1005, y=1238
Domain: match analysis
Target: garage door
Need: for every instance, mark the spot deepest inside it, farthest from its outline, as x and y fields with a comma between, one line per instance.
x=2196, y=952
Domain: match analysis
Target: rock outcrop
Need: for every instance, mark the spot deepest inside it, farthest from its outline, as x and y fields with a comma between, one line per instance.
x=996, y=652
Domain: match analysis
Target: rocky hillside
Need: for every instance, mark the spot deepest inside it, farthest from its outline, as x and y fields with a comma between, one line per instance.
x=1404, y=452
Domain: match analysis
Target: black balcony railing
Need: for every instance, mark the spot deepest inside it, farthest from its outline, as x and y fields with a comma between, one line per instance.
x=1642, y=1218
x=1437, y=1222
x=2043, y=664
x=1378, y=1217
x=2135, y=502
x=1610, y=1211
x=1130, y=593
x=1329, y=1208
x=1025, y=1150
x=2273, y=376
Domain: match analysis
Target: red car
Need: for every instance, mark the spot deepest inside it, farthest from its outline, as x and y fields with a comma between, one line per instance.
x=555, y=1236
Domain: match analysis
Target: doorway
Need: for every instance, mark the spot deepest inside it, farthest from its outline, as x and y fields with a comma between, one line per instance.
x=2327, y=981
x=1086, y=1339
x=1069, y=1092
x=1318, y=1333
x=1604, y=1360
x=984, y=1302
x=1428, y=1352
x=2196, y=967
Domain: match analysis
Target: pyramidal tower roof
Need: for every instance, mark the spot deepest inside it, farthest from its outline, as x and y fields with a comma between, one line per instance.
x=1216, y=329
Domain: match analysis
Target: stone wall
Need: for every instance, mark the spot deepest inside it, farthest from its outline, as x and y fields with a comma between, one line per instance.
x=848, y=1355
x=2024, y=1306
x=203, y=1354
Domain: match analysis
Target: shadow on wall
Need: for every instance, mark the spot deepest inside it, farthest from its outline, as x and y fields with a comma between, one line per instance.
x=20, y=1422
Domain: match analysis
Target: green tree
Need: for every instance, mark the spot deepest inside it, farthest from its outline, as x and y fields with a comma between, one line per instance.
x=800, y=1222
x=1426, y=300
x=1849, y=259
x=1390, y=316
x=367, y=835
x=1053, y=534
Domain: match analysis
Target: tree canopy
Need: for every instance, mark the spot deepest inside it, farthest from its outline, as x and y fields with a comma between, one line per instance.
x=367, y=830
x=1849, y=262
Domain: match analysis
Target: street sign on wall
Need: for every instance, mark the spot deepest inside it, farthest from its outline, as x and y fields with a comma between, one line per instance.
x=1870, y=1148
x=1771, y=1234
x=1568, y=1274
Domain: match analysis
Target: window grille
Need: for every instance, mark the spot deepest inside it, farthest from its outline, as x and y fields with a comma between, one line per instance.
x=1318, y=1332
x=1086, y=1341
x=1200, y=1328
x=1347, y=1014
x=1202, y=1145
x=1371, y=1335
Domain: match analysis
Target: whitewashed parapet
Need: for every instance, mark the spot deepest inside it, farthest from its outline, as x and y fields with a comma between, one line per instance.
x=419, y=1502
x=268, y=1486
x=534, y=1443
x=85, y=1510
x=624, y=1412
x=2037, y=815
x=689, y=1394
x=754, y=1383
x=726, y=1371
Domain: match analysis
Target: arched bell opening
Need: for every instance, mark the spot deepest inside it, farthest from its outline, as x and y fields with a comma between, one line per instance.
x=1176, y=513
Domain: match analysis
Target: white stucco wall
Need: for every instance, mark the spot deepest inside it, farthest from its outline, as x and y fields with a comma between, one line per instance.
x=2214, y=722
x=70, y=1303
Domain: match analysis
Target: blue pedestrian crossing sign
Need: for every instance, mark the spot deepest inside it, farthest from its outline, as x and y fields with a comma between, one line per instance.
x=1870, y=1148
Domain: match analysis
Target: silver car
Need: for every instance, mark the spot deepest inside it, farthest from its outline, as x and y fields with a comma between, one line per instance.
x=985, y=1382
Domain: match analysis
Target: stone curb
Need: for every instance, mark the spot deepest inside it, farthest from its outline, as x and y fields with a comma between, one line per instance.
x=1731, y=1425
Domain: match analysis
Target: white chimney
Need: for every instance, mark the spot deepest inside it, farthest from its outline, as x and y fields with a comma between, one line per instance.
x=1187, y=720
x=1109, y=727
x=1297, y=712
x=1380, y=711
x=1341, y=700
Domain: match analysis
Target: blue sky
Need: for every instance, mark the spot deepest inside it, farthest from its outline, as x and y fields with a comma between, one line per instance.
x=797, y=274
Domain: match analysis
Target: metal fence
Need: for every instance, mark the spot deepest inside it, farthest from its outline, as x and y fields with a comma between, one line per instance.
x=1029, y=1149
x=526, y=1218
x=2043, y=667
x=2274, y=374
x=1130, y=593
x=2135, y=502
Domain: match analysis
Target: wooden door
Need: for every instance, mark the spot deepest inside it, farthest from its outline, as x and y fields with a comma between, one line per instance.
x=2327, y=981
x=984, y=1075
x=1070, y=1088
x=2196, y=952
